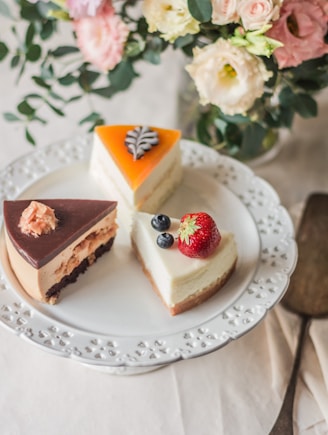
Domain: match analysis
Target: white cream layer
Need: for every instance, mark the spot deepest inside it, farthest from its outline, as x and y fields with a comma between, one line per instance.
x=36, y=282
x=156, y=188
x=175, y=275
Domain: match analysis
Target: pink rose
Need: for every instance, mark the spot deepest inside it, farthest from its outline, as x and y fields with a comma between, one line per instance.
x=101, y=38
x=85, y=8
x=301, y=27
x=255, y=14
x=224, y=12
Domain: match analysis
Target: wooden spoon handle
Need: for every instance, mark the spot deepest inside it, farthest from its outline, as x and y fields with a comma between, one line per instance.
x=284, y=422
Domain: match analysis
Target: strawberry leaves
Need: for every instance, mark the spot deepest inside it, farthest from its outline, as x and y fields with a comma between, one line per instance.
x=188, y=228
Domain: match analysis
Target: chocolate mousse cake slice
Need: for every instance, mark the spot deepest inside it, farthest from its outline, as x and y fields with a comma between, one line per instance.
x=51, y=241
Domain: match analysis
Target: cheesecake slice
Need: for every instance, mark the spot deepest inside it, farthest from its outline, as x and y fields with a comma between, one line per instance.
x=139, y=165
x=51, y=241
x=181, y=282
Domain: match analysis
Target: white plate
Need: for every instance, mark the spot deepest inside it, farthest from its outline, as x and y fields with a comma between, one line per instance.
x=110, y=318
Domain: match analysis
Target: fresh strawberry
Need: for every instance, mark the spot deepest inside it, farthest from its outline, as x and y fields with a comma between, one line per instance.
x=198, y=235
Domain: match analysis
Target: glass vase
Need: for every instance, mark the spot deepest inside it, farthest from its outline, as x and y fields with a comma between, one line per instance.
x=264, y=149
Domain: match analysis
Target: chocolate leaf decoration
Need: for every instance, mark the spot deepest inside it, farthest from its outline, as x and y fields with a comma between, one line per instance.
x=140, y=140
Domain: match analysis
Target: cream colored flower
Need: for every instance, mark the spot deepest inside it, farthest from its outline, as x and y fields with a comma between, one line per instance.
x=228, y=76
x=255, y=14
x=224, y=12
x=170, y=17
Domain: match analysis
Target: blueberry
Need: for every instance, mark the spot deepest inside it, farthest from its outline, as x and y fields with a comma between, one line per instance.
x=161, y=222
x=165, y=240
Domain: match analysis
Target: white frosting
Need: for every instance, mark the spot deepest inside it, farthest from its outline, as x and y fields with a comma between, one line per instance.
x=175, y=275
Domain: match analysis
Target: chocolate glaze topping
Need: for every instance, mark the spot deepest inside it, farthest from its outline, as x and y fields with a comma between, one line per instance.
x=75, y=216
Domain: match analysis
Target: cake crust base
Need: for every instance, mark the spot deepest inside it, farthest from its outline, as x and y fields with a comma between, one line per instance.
x=201, y=296
x=193, y=300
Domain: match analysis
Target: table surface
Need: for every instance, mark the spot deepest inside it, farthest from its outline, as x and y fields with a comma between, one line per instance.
x=237, y=389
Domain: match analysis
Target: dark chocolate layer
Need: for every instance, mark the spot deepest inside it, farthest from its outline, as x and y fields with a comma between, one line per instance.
x=55, y=290
x=75, y=217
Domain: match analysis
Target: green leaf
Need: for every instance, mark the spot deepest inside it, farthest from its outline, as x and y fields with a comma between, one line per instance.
x=21, y=71
x=67, y=80
x=307, y=68
x=86, y=79
x=252, y=140
x=301, y=103
x=154, y=48
x=286, y=117
x=152, y=56
x=323, y=79
x=311, y=75
x=201, y=10
x=44, y=8
x=41, y=120
x=184, y=41
x=58, y=111
x=202, y=132
x=29, y=34
x=3, y=50
x=134, y=48
x=29, y=11
x=142, y=27
x=47, y=72
x=233, y=135
x=11, y=117
x=33, y=96
x=93, y=117
x=33, y=53
x=29, y=137
x=48, y=28
x=308, y=85
x=106, y=92
x=75, y=98
x=25, y=109
x=122, y=76
x=56, y=96
x=305, y=106
x=286, y=96
x=14, y=61
x=100, y=121
x=220, y=124
x=40, y=82
x=64, y=50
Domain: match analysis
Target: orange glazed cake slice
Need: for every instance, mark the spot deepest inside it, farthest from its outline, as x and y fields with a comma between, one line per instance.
x=139, y=164
x=51, y=241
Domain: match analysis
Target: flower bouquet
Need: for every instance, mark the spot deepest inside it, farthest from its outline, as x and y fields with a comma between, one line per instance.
x=254, y=63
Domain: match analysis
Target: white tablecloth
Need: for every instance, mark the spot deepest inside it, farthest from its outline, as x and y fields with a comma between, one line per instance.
x=235, y=390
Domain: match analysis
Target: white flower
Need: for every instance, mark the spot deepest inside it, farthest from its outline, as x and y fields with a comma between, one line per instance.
x=255, y=14
x=170, y=17
x=224, y=11
x=228, y=76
